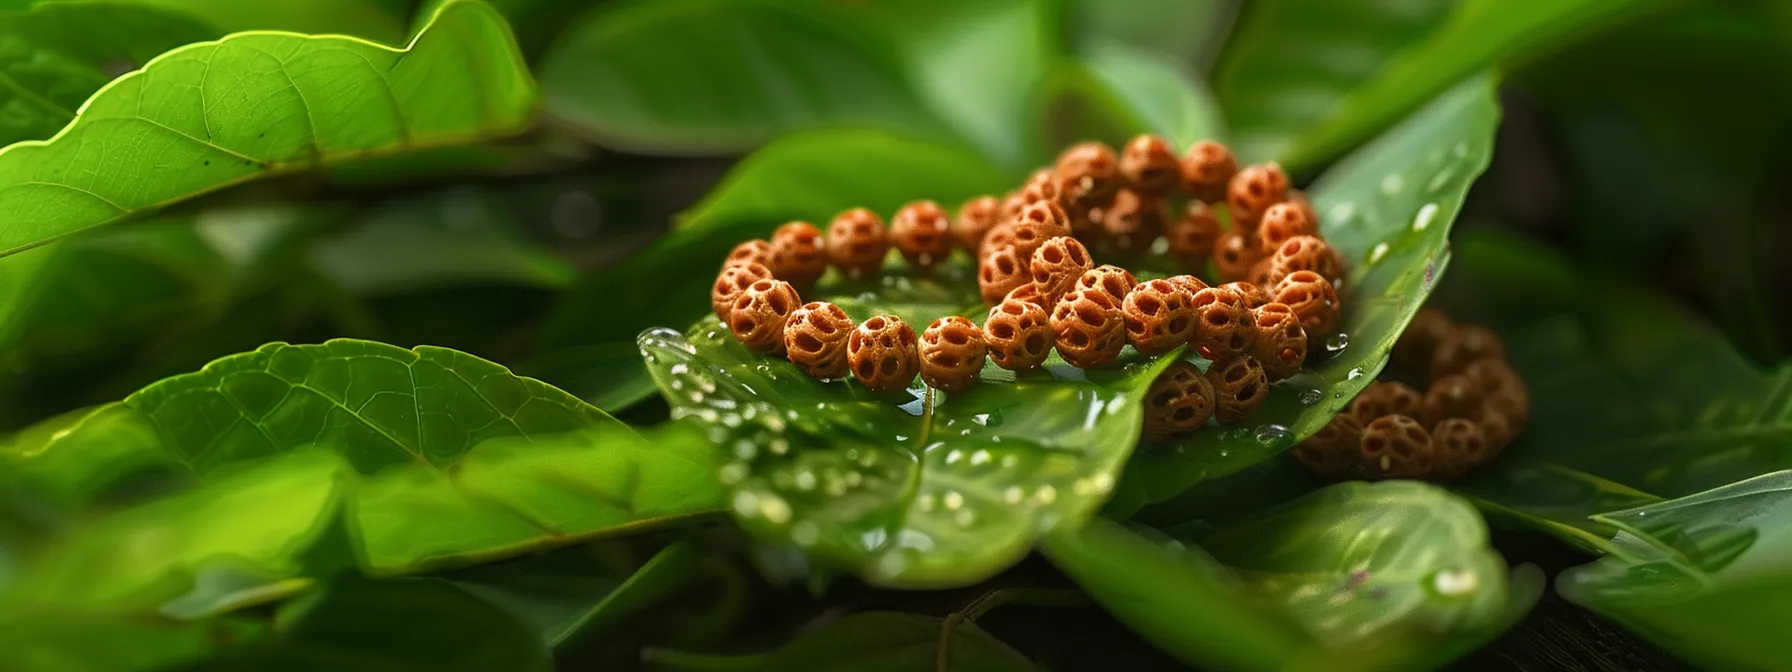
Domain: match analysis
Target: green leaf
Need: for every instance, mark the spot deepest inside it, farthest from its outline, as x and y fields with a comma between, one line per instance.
x=883, y=641
x=1388, y=208
x=396, y=624
x=1703, y=576
x=1182, y=33
x=1132, y=91
x=1396, y=575
x=452, y=237
x=708, y=76
x=913, y=489
x=1304, y=80
x=588, y=345
x=56, y=54
x=211, y=115
x=378, y=20
x=65, y=642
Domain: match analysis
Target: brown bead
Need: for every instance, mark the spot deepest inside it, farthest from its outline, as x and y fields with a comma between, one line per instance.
x=1396, y=446
x=1305, y=253
x=731, y=282
x=1223, y=325
x=1252, y=191
x=1041, y=185
x=1045, y=217
x=1333, y=450
x=815, y=339
x=1300, y=200
x=797, y=254
x=1499, y=431
x=1193, y=236
x=1281, y=343
x=1029, y=293
x=1453, y=396
x=1262, y=274
x=1462, y=346
x=1150, y=166
x=999, y=237
x=921, y=231
x=1428, y=327
x=1178, y=402
x=759, y=312
x=1387, y=398
x=756, y=251
x=1011, y=205
x=883, y=353
x=1160, y=315
x=1235, y=254
x=1000, y=272
x=1458, y=445
x=1088, y=328
x=1207, y=168
x=1239, y=387
x=1019, y=335
x=1254, y=294
x=856, y=243
x=1056, y=265
x=1087, y=175
x=952, y=353
x=1502, y=389
x=1188, y=282
x=1114, y=281
x=975, y=218
x=1283, y=221
x=1132, y=221
x=1313, y=298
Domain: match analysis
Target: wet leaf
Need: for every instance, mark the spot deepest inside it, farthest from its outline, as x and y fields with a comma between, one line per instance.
x=1388, y=208
x=886, y=641
x=54, y=55
x=1396, y=575
x=588, y=345
x=571, y=596
x=910, y=489
x=215, y=114
x=1304, y=80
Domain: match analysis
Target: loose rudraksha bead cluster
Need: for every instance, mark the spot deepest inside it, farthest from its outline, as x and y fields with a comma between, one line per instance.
x=1276, y=287
x=1474, y=405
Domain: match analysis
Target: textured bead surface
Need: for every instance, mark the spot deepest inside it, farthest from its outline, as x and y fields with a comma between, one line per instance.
x=1462, y=346
x=1000, y=272
x=1453, y=396
x=1019, y=335
x=1207, y=167
x=1254, y=295
x=1088, y=329
x=1132, y=222
x=733, y=280
x=1305, y=253
x=1056, y=265
x=1108, y=279
x=1458, y=445
x=1283, y=221
x=952, y=352
x=922, y=232
x=1235, y=254
x=975, y=218
x=1396, y=446
x=1178, y=402
x=1384, y=397
x=1313, y=298
x=1188, y=282
x=883, y=353
x=1160, y=315
x=1223, y=325
x=1088, y=173
x=1281, y=344
x=1193, y=236
x=758, y=314
x=756, y=251
x=797, y=254
x=1150, y=166
x=1333, y=450
x=815, y=339
x=856, y=243
x=1029, y=293
x=1239, y=387
x=1428, y=327
x=1252, y=191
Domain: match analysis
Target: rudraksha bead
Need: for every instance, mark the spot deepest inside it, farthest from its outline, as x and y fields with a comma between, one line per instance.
x=733, y=280
x=952, y=353
x=856, y=243
x=1281, y=344
x=1397, y=446
x=1239, y=387
x=1019, y=335
x=1384, y=397
x=1462, y=346
x=1088, y=174
x=815, y=339
x=759, y=312
x=1283, y=221
x=1160, y=315
x=1252, y=191
x=1000, y=272
x=1108, y=279
x=883, y=354
x=1335, y=449
x=1305, y=253
x=1313, y=298
x=1207, y=168
x=1178, y=402
x=1131, y=222
x=756, y=251
x=1223, y=325
x=1458, y=445
x=1150, y=166
x=1088, y=328
x=1056, y=265
x=1234, y=254
x=975, y=218
x=1428, y=327
x=797, y=254
x=922, y=232
x=1193, y=236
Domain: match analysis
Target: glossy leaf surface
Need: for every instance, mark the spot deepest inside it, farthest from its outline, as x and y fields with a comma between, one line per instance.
x=576, y=595
x=54, y=55
x=215, y=114
x=377, y=20
x=589, y=344
x=908, y=489
x=1135, y=91
x=884, y=641
x=1388, y=208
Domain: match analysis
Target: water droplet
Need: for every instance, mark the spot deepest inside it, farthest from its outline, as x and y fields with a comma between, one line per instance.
x=745, y=449
x=805, y=480
x=1423, y=219
x=954, y=456
x=1046, y=494
x=1268, y=434
x=1010, y=461
x=965, y=518
x=1012, y=494
x=1338, y=341
x=1310, y=397
x=953, y=500
x=1376, y=253
x=1450, y=582
x=779, y=446
x=1391, y=184
x=1354, y=374
x=979, y=457
x=1341, y=213
x=775, y=509
x=746, y=503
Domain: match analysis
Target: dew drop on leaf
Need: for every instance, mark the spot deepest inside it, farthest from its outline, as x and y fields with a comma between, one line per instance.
x=1337, y=342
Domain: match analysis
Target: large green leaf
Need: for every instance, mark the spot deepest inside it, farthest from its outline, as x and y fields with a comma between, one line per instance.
x=589, y=344
x=379, y=20
x=1182, y=33
x=910, y=489
x=1396, y=575
x=1126, y=91
x=1703, y=576
x=54, y=55
x=215, y=114
x=1388, y=208
x=65, y=642
x=1303, y=80
x=451, y=237
x=884, y=641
